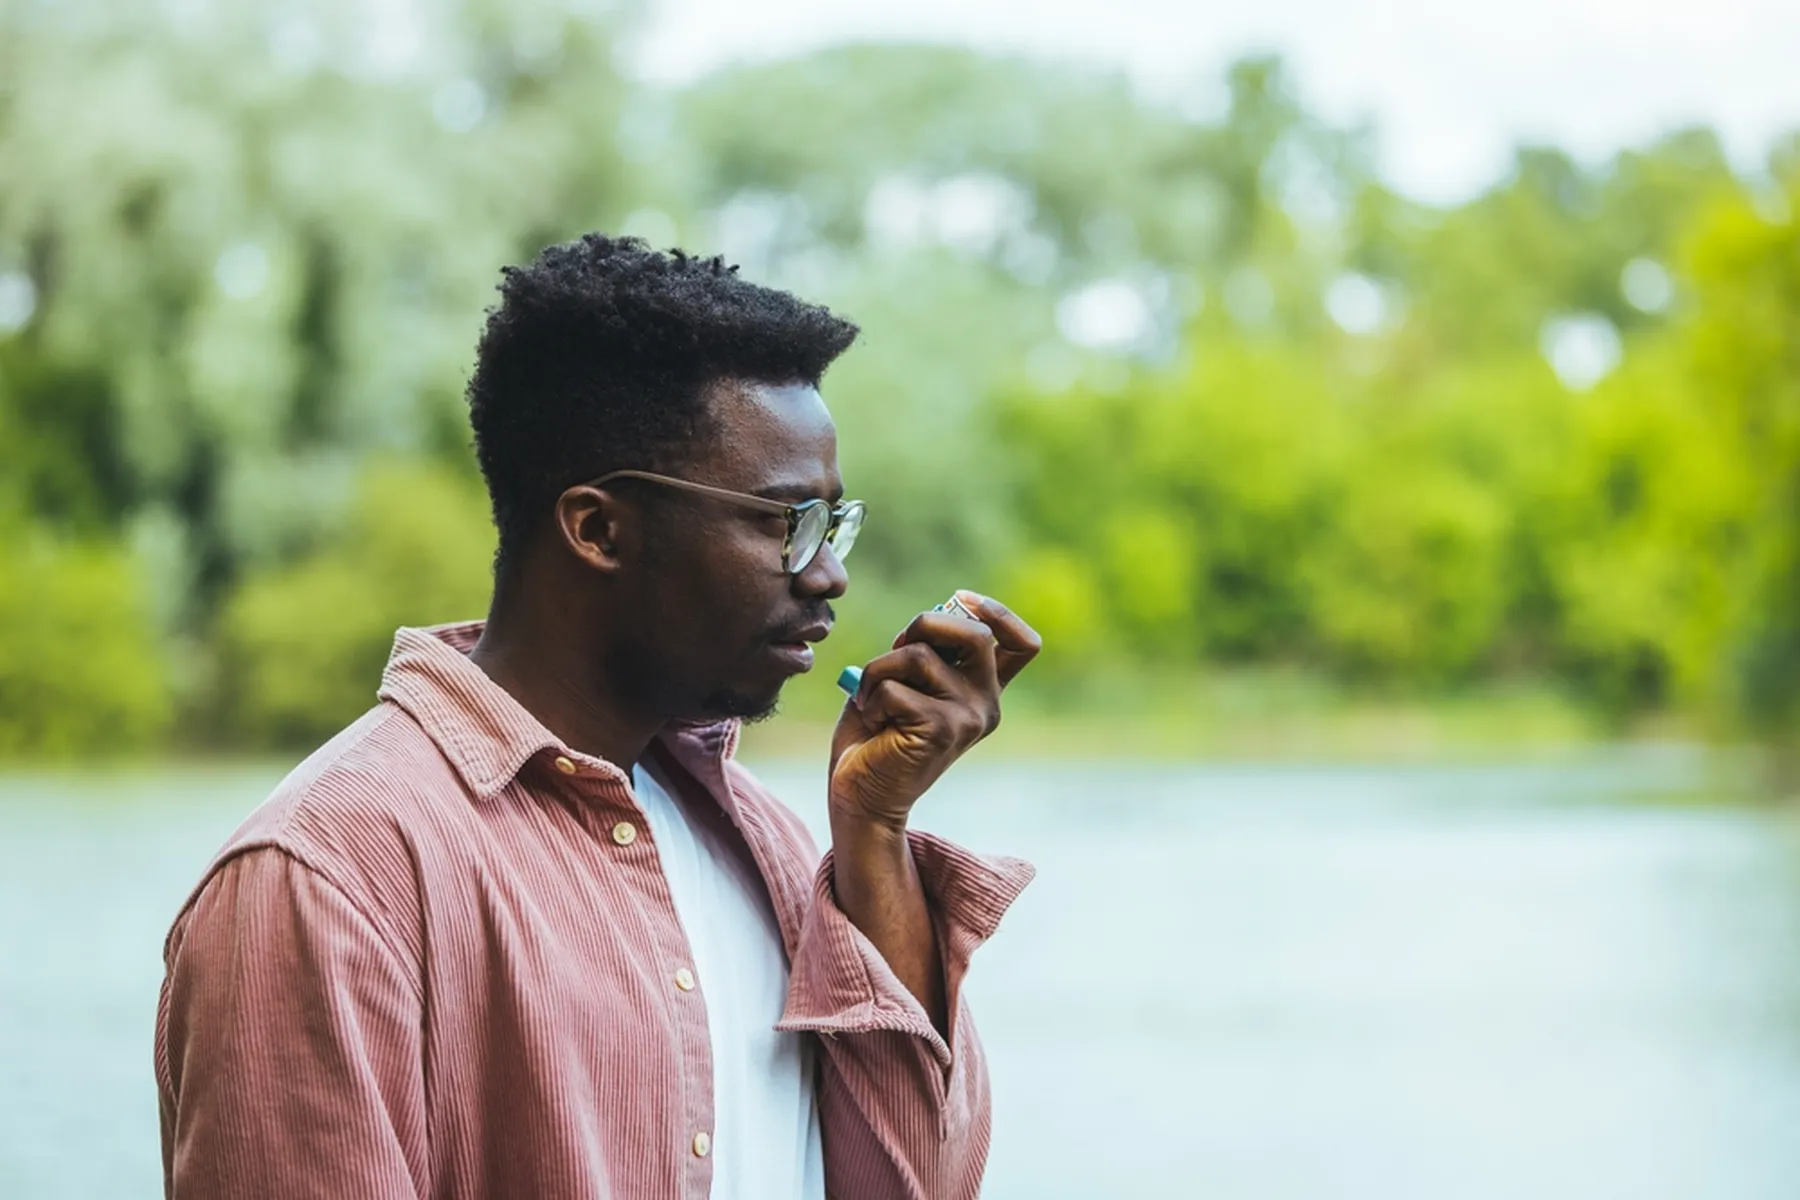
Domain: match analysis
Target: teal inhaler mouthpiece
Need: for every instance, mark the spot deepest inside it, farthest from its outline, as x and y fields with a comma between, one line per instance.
x=850, y=678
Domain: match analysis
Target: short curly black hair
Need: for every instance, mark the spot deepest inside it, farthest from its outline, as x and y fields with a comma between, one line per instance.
x=599, y=356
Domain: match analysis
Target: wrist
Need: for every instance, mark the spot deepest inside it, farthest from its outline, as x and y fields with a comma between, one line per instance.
x=871, y=857
x=853, y=828
x=854, y=814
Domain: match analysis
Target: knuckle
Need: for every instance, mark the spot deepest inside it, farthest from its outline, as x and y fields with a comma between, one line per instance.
x=946, y=734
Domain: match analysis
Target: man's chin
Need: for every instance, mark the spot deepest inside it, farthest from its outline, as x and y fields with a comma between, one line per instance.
x=743, y=706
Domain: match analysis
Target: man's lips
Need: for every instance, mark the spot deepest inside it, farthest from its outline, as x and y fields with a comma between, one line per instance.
x=816, y=632
x=793, y=648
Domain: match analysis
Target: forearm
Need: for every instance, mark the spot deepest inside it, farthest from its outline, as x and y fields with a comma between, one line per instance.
x=905, y=1107
x=878, y=887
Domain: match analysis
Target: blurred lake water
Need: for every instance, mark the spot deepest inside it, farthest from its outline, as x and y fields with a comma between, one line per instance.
x=1238, y=983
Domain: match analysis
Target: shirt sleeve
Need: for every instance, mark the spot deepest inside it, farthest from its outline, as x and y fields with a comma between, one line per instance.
x=287, y=1044
x=904, y=1112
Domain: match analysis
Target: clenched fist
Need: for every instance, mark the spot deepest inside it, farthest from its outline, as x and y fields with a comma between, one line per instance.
x=922, y=705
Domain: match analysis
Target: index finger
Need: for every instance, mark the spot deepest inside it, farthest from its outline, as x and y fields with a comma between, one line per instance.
x=968, y=645
x=1016, y=643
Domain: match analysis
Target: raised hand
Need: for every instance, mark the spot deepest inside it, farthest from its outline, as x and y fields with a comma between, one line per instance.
x=922, y=705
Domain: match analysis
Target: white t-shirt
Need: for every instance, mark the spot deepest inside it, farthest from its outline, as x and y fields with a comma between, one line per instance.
x=765, y=1138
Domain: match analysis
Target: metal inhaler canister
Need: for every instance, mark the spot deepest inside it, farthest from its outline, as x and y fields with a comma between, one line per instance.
x=850, y=678
x=953, y=605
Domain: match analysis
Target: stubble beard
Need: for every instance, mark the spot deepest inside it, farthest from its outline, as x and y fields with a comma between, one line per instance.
x=729, y=703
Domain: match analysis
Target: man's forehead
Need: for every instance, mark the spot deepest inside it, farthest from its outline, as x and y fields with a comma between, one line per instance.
x=796, y=406
x=769, y=436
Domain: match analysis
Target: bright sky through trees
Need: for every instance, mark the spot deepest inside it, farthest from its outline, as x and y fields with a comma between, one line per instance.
x=1451, y=87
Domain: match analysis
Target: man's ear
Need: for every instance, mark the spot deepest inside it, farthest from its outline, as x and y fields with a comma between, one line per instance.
x=595, y=526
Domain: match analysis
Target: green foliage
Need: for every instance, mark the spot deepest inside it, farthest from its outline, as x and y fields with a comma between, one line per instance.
x=1059, y=589
x=1225, y=468
x=1249, y=508
x=254, y=269
x=80, y=668
x=1642, y=557
x=1743, y=340
x=1103, y=177
x=1408, y=580
x=1423, y=524
x=254, y=259
x=1149, y=559
x=303, y=645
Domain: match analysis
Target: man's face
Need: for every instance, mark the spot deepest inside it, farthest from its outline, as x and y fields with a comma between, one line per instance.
x=718, y=625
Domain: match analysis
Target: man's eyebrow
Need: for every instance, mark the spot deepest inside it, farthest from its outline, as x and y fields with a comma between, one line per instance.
x=794, y=492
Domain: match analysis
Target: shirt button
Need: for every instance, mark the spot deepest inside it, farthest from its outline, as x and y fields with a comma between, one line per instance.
x=702, y=1144
x=684, y=979
x=624, y=833
x=564, y=765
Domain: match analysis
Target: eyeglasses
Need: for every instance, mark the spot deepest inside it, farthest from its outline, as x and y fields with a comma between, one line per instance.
x=810, y=523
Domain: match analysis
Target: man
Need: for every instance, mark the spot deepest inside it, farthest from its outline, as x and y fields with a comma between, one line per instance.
x=527, y=929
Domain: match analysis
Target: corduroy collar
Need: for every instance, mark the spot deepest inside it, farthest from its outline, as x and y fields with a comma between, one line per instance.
x=487, y=735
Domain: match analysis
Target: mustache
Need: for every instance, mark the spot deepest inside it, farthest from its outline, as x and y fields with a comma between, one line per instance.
x=789, y=631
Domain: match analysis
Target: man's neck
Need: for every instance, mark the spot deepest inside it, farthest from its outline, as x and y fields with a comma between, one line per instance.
x=537, y=668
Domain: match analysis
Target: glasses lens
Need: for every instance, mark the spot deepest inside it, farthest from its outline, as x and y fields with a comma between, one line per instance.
x=848, y=527
x=809, y=534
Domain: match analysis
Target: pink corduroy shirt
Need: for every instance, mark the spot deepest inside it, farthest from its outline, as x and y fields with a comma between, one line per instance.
x=442, y=961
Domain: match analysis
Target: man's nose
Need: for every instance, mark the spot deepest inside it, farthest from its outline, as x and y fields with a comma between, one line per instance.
x=823, y=578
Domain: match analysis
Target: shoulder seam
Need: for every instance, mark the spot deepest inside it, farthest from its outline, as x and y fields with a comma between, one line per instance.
x=395, y=958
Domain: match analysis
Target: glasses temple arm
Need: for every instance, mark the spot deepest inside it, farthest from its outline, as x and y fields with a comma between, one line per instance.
x=740, y=498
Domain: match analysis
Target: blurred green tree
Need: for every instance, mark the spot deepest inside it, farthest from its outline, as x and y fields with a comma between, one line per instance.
x=257, y=248
x=1188, y=384
x=80, y=671
x=1743, y=341
x=302, y=645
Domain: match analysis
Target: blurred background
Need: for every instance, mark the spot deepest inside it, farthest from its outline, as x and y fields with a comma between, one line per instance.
x=1390, y=417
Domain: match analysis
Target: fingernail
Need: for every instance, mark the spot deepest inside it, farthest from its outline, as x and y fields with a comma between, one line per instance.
x=971, y=600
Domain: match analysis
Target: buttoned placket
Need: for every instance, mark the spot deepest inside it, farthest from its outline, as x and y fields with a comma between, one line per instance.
x=610, y=806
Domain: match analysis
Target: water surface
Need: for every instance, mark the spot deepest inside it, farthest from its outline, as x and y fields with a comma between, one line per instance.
x=1255, y=983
